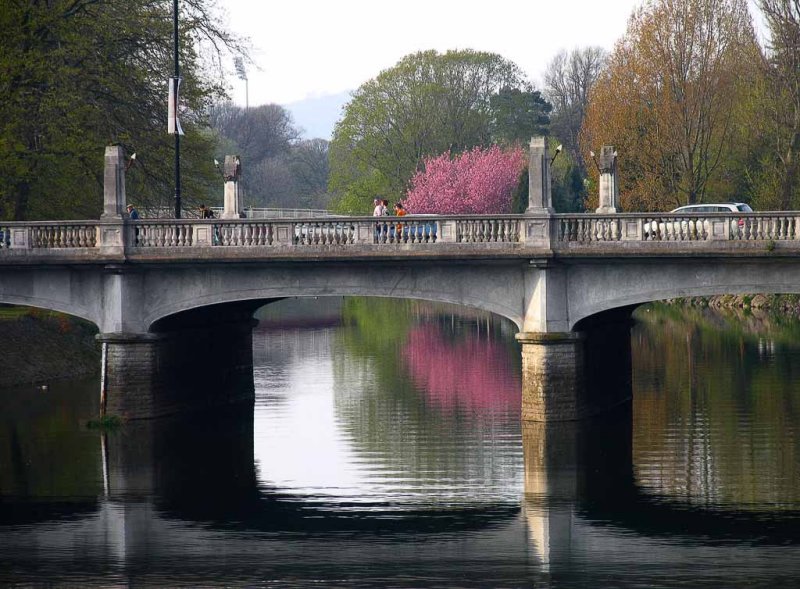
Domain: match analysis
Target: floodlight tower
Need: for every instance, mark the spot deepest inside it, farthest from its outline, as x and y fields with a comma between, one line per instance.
x=238, y=63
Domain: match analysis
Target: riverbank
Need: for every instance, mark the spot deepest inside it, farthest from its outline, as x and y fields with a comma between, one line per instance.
x=786, y=304
x=39, y=346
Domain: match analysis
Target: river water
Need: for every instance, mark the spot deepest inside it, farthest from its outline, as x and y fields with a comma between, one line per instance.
x=386, y=449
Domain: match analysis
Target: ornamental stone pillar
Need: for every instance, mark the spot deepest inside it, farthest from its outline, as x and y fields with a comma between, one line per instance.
x=232, y=171
x=111, y=231
x=114, y=183
x=540, y=200
x=537, y=228
x=609, y=193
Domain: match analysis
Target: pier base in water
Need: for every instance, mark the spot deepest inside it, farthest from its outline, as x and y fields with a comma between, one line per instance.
x=571, y=376
x=151, y=375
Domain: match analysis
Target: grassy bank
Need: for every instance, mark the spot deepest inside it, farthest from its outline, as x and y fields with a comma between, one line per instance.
x=38, y=346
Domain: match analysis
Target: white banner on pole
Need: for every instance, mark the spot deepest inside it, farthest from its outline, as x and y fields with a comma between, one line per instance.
x=173, y=122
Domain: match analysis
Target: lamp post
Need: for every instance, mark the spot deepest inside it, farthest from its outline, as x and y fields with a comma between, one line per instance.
x=175, y=98
x=238, y=63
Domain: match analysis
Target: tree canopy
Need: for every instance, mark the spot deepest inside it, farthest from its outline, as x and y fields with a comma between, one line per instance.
x=478, y=181
x=76, y=75
x=668, y=100
x=428, y=104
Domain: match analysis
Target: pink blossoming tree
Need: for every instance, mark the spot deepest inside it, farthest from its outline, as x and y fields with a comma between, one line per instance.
x=479, y=181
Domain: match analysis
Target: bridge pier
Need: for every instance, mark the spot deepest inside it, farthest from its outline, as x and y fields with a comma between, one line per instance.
x=552, y=376
x=148, y=375
x=568, y=376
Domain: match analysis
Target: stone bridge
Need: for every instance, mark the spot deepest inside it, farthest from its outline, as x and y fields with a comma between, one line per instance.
x=173, y=299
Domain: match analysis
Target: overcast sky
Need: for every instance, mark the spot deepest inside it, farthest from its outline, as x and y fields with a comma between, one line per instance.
x=310, y=48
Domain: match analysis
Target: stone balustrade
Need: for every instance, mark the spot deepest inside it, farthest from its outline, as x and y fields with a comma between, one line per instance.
x=539, y=231
x=49, y=235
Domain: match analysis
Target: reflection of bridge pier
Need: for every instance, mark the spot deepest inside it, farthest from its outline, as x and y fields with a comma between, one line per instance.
x=568, y=464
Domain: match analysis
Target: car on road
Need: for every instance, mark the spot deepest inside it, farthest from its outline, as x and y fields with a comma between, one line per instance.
x=685, y=228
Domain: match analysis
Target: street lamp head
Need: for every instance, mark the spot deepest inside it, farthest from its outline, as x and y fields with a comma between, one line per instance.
x=555, y=155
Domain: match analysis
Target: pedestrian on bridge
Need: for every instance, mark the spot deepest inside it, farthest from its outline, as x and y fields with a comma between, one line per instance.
x=133, y=213
x=379, y=211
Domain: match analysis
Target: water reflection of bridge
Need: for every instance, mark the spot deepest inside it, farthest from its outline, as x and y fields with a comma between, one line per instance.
x=183, y=503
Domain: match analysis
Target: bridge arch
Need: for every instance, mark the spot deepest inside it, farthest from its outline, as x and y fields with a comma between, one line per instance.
x=595, y=291
x=497, y=292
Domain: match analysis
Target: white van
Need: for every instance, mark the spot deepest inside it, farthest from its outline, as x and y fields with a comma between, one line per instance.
x=688, y=229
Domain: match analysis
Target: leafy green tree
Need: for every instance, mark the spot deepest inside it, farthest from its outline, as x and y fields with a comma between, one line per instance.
x=427, y=104
x=518, y=115
x=76, y=75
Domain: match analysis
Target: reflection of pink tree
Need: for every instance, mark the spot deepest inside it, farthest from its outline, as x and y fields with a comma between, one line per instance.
x=474, y=373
